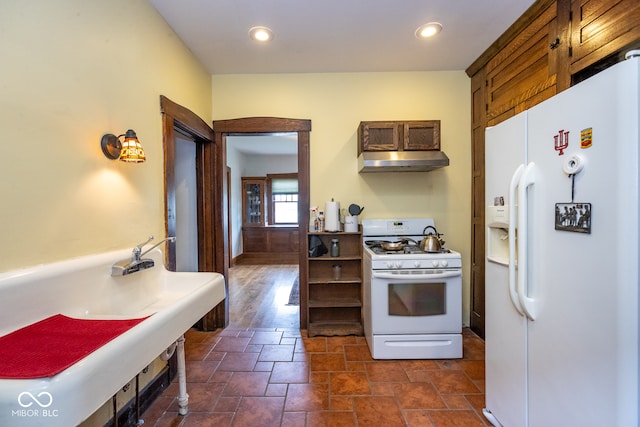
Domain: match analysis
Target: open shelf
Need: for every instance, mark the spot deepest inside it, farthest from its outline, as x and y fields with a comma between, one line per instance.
x=335, y=305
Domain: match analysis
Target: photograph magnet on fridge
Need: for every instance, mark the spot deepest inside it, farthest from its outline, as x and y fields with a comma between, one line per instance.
x=575, y=217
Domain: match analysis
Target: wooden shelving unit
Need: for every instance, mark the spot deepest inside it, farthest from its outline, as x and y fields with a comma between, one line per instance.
x=335, y=304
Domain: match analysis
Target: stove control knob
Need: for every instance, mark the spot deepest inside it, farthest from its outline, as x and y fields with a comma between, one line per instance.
x=389, y=264
x=416, y=264
x=434, y=263
x=444, y=263
x=399, y=264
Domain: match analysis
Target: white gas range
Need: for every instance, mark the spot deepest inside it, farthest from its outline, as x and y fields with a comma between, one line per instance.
x=412, y=298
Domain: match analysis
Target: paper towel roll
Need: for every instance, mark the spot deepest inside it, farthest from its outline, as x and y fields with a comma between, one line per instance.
x=332, y=216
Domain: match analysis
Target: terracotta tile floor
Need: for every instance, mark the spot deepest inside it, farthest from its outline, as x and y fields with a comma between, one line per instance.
x=278, y=377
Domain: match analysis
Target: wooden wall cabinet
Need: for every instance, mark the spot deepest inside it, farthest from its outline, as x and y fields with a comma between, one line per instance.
x=378, y=136
x=399, y=135
x=421, y=135
x=600, y=28
x=335, y=303
x=553, y=44
x=253, y=202
x=523, y=73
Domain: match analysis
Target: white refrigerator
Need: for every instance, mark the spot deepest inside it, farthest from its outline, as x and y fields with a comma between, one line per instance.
x=562, y=250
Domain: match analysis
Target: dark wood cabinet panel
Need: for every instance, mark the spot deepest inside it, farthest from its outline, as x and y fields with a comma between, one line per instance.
x=521, y=71
x=477, y=272
x=421, y=135
x=413, y=135
x=378, y=136
x=254, y=239
x=269, y=245
x=478, y=122
x=600, y=28
x=282, y=240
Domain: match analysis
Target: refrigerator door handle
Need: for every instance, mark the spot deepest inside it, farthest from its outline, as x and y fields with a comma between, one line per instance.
x=527, y=179
x=515, y=178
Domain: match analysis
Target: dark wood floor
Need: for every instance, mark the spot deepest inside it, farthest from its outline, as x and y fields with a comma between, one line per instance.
x=258, y=296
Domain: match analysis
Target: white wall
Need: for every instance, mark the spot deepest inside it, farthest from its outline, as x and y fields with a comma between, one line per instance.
x=261, y=165
x=243, y=164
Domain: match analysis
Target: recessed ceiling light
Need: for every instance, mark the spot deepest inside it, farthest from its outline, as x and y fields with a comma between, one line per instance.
x=428, y=30
x=261, y=34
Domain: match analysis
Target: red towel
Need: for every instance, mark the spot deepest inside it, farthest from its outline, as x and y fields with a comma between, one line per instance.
x=50, y=346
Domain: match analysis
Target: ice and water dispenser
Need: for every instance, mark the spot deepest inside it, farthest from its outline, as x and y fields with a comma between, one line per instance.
x=497, y=221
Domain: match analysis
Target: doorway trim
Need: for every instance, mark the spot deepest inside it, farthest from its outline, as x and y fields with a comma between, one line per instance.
x=177, y=119
x=265, y=125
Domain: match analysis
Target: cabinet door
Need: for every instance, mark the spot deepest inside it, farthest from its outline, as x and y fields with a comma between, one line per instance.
x=520, y=75
x=253, y=202
x=254, y=239
x=282, y=240
x=422, y=135
x=379, y=136
x=601, y=28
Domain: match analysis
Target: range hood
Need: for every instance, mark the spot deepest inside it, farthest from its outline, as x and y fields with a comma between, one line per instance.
x=401, y=161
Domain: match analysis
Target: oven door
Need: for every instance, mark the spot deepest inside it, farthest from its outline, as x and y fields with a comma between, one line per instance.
x=416, y=301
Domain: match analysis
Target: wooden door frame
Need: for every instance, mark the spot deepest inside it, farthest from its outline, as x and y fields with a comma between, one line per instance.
x=264, y=125
x=229, y=239
x=210, y=228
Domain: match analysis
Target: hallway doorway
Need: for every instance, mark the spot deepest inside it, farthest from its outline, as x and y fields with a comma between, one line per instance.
x=265, y=126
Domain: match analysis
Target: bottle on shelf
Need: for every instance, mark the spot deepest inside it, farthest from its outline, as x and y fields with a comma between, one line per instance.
x=337, y=272
x=335, y=247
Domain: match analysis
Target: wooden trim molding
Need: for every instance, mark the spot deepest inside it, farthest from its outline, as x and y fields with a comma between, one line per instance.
x=266, y=125
x=211, y=229
x=261, y=125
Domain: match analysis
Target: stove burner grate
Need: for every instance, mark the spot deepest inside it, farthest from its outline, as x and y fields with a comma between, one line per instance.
x=407, y=250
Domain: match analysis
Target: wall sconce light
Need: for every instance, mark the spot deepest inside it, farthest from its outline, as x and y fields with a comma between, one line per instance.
x=129, y=150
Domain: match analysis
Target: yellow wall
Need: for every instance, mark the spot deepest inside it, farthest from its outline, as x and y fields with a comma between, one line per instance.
x=75, y=69
x=335, y=104
x=71, y=71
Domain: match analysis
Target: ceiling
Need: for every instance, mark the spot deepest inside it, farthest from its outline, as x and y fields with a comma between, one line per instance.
x=274, y=144
x=326, y=36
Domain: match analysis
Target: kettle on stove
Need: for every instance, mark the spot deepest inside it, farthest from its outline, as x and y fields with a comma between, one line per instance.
x=431, y=242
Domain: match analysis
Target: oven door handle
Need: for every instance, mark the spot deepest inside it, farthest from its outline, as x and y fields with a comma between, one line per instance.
x=430, y=276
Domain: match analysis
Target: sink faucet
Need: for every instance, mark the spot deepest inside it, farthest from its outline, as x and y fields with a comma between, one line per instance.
x=136, y=262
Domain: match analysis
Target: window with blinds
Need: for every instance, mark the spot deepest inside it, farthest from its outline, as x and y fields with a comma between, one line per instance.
x=284, y=199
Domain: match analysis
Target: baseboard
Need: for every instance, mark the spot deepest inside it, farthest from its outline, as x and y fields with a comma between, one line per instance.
x=267, y=258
